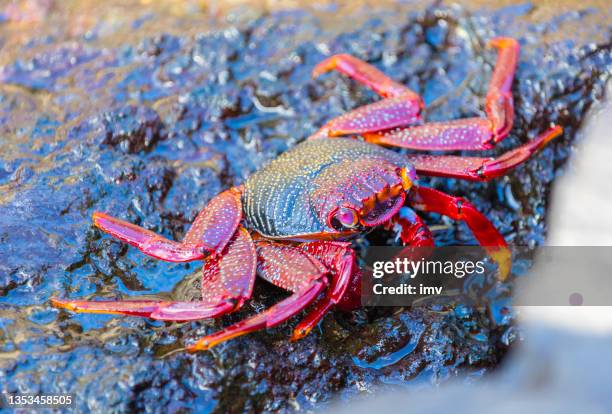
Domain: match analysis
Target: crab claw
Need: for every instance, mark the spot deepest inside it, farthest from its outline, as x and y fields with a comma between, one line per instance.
x=210, y=232
x=227, y=282
x=148, y=241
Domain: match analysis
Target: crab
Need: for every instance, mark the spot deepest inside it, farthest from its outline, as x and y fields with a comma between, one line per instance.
x=291, y=222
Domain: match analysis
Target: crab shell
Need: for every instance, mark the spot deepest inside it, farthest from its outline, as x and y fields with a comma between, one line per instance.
x=297, y=195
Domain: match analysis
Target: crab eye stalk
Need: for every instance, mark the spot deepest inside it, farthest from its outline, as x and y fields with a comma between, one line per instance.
x=343, y=218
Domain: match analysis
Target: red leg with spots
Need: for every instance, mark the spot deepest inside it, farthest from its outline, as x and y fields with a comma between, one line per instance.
x=470, y=133
x=285, y=266
x=345, y=287
x=411, y=228
x=478, y=168
x=227, y=281
x=414, y=234
x=430, y=200
x=209, y=233
x=400, y=107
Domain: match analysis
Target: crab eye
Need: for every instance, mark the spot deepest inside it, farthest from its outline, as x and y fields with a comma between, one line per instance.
x=344, y=218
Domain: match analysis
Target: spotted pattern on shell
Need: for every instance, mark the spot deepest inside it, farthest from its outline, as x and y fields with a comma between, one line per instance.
x=284, y=198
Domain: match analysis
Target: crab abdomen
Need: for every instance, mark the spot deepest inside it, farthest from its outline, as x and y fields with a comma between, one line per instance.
x=284, y=198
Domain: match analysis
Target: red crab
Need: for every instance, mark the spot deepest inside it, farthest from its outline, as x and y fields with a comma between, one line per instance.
x=290, y=220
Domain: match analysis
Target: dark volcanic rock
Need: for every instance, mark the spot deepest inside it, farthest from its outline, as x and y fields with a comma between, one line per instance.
x=132, y=128
x=150, y=127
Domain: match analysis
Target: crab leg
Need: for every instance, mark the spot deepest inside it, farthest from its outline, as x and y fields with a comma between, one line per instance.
x=430, y=200
x=340, y=259
x=154, y=309
x=413, y=230
x=267, y=319
x=470, y=133
x=479, y=168
x=209, y=233
x=400, y=107
x=366, y=74
x=227, y=281
x=287, y=267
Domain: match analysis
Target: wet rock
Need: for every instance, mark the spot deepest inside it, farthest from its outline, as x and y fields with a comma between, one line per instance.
x=46, y=70
x=132, y=128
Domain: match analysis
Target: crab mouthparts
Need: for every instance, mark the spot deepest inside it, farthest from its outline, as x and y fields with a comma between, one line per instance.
x=383, y=210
